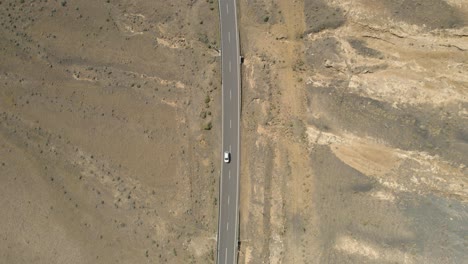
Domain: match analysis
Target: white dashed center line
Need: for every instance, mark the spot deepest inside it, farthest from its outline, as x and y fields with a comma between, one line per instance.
x=225, y=258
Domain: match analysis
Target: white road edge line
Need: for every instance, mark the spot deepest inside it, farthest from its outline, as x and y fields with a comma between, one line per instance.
x=227, y=226
x=225, y=257
x=230, y=94
x=222, y=146
x=228, y=199
x=230, y=123
x=238, y=135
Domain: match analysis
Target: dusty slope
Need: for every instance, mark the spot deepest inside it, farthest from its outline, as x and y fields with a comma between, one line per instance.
x=355, y=131
x=103, y=153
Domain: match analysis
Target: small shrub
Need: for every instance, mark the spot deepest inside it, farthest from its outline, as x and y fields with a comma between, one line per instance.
x=203, y=114
x=203, y=38
x=208, y=126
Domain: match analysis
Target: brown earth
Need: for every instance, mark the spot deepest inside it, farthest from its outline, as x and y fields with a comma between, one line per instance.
x=106, y=151
x=354, y=131
x=354, y=137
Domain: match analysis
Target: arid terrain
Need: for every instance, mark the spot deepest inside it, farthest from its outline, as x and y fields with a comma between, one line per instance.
x=109, y=131
x=354, y=136
x=355, y=131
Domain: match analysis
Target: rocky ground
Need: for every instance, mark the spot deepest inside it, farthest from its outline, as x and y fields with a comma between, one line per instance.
x=354, y=131
x=109, y=131
x=354, y=137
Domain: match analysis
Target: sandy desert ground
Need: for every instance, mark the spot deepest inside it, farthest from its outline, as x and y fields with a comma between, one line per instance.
x=109, y=131
x=354, y=131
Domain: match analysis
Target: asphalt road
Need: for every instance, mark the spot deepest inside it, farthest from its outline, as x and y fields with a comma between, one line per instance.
x=229, y=183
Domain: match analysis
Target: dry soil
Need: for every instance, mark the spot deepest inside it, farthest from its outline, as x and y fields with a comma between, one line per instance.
x=109, y=131
x=354, y=137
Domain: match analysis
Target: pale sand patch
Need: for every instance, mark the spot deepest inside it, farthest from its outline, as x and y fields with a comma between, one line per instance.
x=371, y=159
x=125, y=23
x=383, y=195
x=172, y=43
x=131, y=30
x=322, y=138
x=200, y=245
x=401, y=88
x=422, y=172
x=135, y=15
x=248, y=255
x=458, y=3
x=371, y=251
x=177, y=84
x=169, y=103
x=263, y=131
x=82, y=79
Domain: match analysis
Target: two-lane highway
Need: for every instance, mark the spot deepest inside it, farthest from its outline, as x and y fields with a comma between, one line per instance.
x=229, y=182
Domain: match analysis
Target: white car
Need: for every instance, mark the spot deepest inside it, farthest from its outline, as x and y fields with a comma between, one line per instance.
x=227, y=157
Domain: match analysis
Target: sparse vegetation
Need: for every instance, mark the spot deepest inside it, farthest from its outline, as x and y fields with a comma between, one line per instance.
x=85, y=97
x=203, y=114
x=208, y=126
x=204, y=39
